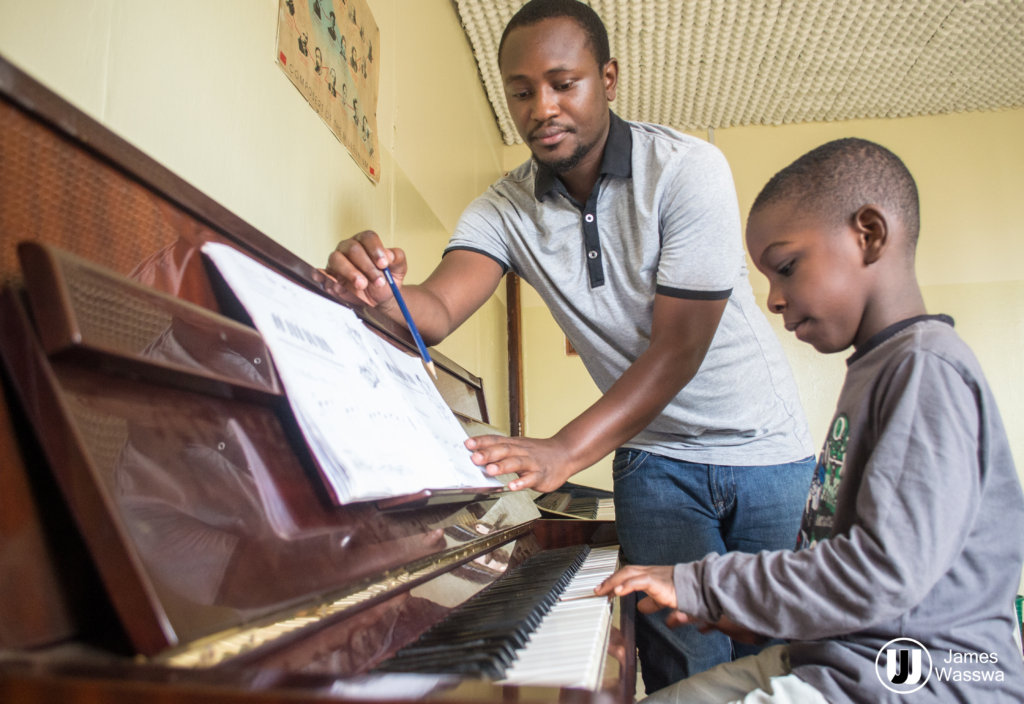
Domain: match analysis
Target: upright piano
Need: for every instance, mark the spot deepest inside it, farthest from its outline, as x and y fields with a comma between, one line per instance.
x=162, y=531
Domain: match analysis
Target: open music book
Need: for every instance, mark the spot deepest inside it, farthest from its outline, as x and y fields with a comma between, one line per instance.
x=374, y=421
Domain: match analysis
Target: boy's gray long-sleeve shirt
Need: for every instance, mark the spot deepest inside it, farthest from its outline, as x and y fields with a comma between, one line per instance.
x=914, y=528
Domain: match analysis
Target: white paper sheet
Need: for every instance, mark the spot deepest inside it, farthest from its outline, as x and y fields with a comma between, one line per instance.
x=371, y=415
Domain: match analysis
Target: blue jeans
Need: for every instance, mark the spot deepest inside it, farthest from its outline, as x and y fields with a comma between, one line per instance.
x=669, y=511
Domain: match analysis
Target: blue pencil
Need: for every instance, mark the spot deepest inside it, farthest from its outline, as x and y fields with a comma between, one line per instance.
x=427, y=362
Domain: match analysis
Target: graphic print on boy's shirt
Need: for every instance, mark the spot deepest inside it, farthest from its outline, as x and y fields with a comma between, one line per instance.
x=820, y=511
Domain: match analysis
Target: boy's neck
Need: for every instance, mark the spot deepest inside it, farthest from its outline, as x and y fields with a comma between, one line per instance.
x=891, y=306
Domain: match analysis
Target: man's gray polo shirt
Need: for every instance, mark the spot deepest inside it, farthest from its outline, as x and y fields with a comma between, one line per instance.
x=662, y=219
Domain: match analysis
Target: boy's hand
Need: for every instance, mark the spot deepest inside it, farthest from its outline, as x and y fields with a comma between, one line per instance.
x=660, y=588
x=353, y=271
x=656, y=582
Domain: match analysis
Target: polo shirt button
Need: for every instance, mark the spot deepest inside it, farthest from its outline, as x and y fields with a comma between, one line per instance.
x=589, y=217
x=592, y=254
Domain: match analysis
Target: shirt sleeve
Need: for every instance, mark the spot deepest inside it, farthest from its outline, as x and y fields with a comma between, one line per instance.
x=481, y=229
x=919, y=496
x=701, y=247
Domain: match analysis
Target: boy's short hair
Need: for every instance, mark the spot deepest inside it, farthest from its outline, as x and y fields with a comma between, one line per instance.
x=835, y=180
x=537, y=10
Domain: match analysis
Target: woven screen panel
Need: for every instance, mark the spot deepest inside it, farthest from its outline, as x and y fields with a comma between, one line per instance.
x=698, y=64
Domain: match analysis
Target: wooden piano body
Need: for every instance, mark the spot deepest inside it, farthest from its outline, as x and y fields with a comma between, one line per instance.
x=161, y=530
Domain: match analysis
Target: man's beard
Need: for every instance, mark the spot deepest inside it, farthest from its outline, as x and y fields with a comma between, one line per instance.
x=561, y=166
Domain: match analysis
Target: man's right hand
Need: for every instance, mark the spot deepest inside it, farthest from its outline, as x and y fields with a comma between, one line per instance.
x=356, y=265
x=459, y=285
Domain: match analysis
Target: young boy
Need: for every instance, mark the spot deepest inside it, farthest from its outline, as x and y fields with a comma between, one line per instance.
x=913, y=534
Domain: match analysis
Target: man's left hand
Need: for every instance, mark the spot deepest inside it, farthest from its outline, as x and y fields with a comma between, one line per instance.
x=542, y=465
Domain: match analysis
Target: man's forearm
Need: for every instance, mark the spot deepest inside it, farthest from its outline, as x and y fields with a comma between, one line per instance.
x=629, y=405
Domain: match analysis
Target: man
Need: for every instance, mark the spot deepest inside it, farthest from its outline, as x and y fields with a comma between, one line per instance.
x=630, y=232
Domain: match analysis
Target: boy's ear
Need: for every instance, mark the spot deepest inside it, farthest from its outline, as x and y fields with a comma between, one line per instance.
x=873, y=232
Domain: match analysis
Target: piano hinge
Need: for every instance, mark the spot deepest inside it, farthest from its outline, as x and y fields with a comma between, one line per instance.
x=226, y=645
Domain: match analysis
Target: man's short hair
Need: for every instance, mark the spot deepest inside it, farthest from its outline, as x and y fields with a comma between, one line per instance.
x=836, y=179
x=536, y=10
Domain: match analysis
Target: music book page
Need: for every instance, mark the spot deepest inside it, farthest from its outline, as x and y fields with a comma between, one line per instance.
x=372, y=417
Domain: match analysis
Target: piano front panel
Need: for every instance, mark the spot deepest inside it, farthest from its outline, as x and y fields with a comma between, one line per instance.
x=336, y=661
x=380, y=577
x=66, y=180
x=165, y=507
x=158, y=477
x=55, y=190
x=29, y=575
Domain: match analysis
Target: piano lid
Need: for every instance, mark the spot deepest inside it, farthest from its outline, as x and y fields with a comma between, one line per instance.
x=196, y=501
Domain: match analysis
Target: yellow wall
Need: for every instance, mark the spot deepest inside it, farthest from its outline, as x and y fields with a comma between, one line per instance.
x=970, y=171
x=194, y=84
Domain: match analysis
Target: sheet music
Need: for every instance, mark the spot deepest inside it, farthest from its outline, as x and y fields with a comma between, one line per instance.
x=371, y=415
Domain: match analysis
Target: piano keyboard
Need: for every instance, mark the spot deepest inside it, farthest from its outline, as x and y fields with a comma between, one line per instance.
x=568, y=648
x=530, y=627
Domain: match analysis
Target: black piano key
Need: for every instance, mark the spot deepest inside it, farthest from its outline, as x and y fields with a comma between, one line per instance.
x=494, y=655
x=474, y=665
x=466, y=643
x=481, y=636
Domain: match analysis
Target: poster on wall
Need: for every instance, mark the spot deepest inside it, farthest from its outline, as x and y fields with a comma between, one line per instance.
x=329, y=49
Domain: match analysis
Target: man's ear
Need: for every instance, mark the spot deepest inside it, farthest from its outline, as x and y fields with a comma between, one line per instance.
x=610, y=76
x=873, y=232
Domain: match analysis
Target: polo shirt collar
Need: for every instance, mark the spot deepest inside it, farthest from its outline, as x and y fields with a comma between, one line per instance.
x=617, y=159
